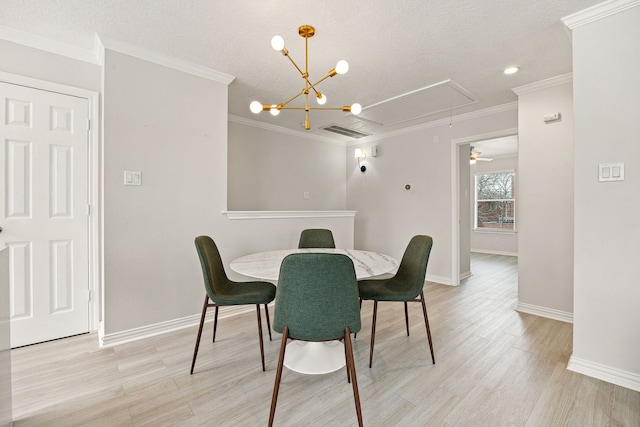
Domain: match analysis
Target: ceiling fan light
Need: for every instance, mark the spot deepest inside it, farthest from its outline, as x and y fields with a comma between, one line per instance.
x=342, y=67
x=255, y=107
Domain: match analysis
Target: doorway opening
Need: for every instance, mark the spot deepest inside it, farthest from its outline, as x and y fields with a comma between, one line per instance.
x=498, y=150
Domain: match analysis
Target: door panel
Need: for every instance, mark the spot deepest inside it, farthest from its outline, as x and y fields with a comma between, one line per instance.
x=43, y=211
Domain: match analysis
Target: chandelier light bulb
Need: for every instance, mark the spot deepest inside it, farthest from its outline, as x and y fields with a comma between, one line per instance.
x=255, y=107
x=342, y=67
x=356, y=109
x=277, y=43
x=274, y=110
x=321, y=99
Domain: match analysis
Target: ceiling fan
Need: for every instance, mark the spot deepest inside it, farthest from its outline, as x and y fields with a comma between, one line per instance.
x=475, y=157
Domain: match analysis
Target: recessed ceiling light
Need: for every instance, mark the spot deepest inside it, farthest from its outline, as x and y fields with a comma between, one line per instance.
x=511, y=70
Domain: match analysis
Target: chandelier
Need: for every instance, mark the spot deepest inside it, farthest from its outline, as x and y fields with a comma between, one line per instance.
x=305, y=31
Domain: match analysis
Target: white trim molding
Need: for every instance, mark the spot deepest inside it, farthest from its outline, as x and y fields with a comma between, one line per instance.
x=439, y=279
x=104, y=42
x=279, y=129
x=117, y=338
x=597, y=12
x=287, y=214
x=48, y=45
x=492, y=252
x=549, y=313
x=602, y=372
x=544, y=84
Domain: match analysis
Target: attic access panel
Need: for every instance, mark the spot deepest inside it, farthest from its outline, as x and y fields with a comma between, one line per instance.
x=436, y=98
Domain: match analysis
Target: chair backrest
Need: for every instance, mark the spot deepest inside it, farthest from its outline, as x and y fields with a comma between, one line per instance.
x=413, y=266
x=317, y=296
x=316, y=238
x=216, y=281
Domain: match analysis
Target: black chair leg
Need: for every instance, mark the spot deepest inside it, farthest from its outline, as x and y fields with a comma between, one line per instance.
x=260, y=336
x=276, y=386
x=266, y=309
x=426, y=323
x=202, y=316
x=351, y=366
x=406, y=317
x=215, y=324
x=373, y=332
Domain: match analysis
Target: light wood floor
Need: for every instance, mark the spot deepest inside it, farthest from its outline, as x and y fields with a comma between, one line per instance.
x=494, y=367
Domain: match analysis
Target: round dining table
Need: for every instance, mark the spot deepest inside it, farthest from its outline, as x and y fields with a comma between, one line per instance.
x=313, y=357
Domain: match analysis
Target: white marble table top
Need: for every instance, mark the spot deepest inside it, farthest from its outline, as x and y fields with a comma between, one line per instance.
x=266, y=265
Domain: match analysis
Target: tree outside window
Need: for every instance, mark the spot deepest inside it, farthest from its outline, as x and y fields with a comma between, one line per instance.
x=495, y=201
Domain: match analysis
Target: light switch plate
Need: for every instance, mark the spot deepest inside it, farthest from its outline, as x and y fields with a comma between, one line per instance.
x=132, y=178
x=610, y=172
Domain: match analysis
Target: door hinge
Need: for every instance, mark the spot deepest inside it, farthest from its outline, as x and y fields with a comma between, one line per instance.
x=88, y=124
x=88, y=210
x=89, y=295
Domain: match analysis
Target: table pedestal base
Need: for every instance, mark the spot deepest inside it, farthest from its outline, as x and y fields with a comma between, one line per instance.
x=314, y=357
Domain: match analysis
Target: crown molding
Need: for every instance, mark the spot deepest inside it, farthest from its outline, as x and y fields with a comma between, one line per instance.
x=283, y=130
x=104, y=42
x=597, y=12
x=48, y=45
x=544, y=84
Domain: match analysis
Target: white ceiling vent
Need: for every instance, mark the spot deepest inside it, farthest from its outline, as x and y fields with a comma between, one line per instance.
x=352, y=133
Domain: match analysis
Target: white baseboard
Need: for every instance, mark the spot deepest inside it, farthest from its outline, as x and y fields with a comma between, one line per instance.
x=465, y=275
x=109, y=340
x=490, y=252
x=611, y=375
x=438, y=279
x=549, y=313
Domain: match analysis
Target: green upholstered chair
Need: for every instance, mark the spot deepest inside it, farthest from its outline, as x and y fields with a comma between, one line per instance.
x=316, y=238
x=222, y=291
x=406, y=285
x=317, y=300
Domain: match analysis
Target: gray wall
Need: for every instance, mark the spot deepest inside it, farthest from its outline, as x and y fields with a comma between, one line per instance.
x=607, y=129
x=465, y=197
x=172, y=127
x=545, y=198
x=388, y=215
x=38, y=64
x=271, y=170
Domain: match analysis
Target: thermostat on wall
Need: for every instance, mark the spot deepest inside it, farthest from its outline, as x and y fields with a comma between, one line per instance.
x=551, y=117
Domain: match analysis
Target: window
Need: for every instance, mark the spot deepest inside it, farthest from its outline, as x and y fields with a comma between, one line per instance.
x=495, y=201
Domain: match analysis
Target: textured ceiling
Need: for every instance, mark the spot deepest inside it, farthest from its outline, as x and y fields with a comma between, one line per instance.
x=394, y=48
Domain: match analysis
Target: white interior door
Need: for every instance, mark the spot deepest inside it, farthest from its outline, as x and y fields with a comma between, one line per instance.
x=44, y=211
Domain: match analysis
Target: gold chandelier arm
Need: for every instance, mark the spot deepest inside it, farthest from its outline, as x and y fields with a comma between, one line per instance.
x=282, y=104
x=302, y=107
x=295, y=65
x=320, y=81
